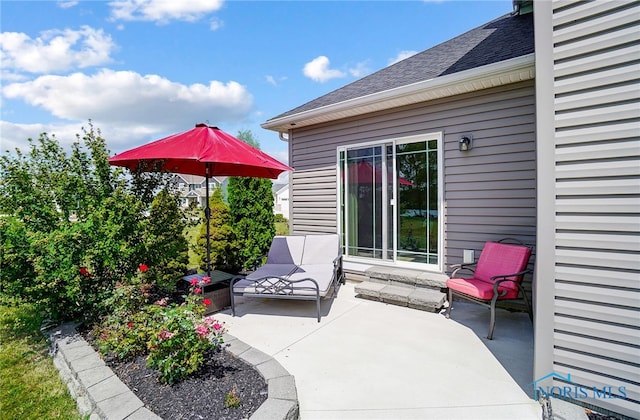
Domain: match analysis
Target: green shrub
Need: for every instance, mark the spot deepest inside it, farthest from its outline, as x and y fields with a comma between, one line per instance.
x=176, y=337
x=224, y=248
x=74, y=226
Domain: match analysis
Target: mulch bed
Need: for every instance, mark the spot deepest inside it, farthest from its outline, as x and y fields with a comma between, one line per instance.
x=201, y=396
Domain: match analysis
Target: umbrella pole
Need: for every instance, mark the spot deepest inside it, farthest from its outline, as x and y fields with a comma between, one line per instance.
x=207, y=215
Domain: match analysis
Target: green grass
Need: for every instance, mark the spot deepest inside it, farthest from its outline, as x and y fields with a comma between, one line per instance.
x=191, y=233
x=30, y=387
x=282, y=228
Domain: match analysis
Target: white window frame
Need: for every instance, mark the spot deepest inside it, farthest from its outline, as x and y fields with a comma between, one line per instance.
x=438, y=136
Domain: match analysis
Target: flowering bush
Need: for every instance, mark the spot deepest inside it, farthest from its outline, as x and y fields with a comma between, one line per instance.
x=178, y=347
x=177, y=337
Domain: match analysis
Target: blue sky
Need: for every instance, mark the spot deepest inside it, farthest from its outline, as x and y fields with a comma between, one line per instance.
x=144, y=69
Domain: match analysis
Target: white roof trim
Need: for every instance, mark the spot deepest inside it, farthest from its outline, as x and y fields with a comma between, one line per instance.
x=492, y=75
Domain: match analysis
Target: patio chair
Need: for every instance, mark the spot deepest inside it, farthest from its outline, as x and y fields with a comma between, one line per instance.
x=297, y=267
x=495, y=277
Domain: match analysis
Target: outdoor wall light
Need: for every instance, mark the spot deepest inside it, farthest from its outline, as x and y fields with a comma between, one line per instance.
x=465, y=143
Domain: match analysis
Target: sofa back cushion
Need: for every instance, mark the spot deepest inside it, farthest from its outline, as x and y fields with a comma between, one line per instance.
x=320, y=249
x=286, y=250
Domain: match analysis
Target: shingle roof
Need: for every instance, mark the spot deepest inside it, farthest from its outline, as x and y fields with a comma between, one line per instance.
x=506, y=37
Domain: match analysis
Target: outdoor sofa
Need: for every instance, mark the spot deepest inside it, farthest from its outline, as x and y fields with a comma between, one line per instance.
x=302, y=267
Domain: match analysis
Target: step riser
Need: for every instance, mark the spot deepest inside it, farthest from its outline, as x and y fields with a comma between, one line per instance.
x=424, y=299
x=389, y=275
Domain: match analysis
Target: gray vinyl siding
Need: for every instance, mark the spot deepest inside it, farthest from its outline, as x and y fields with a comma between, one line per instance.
x=596, y=86
x=489, y=191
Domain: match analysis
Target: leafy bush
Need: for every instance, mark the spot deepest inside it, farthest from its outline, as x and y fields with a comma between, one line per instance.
x=74, y=227
x=279, y=218
x=223, y=243
x=176, y=337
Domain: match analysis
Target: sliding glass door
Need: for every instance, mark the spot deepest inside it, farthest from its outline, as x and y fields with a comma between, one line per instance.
x=389, y=200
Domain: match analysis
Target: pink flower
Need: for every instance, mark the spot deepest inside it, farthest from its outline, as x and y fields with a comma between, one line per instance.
x=197, y=290
x=206, y=280
x=211, y=322
x=143, y=267
x=164, y=335
x=161, y=302
x=206, y=301
x=194, y=282
x=202, y=330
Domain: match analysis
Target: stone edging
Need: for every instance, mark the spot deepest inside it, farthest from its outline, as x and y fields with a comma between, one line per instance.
x=100, y=394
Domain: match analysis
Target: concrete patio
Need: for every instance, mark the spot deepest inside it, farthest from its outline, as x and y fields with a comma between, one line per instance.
x=370, y=360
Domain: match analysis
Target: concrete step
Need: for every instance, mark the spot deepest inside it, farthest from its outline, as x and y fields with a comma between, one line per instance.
x=423, y=298
x=406, y=277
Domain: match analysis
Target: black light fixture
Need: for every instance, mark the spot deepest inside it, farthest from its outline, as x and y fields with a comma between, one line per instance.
x=465, y=143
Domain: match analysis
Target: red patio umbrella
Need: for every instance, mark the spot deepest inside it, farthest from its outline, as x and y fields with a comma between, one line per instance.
x=204, y=151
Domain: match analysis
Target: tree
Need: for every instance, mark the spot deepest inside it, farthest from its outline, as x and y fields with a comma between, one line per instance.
x=223, y=242
x=72, y=226
x=251, y=207
x=167, y=249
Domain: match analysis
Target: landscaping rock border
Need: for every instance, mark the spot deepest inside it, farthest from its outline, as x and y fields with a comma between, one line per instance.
x=100, y=394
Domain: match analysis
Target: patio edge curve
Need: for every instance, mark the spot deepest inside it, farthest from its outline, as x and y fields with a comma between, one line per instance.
x=99, y=392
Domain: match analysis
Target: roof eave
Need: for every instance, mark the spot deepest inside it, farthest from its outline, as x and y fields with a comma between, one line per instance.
x=491, y=75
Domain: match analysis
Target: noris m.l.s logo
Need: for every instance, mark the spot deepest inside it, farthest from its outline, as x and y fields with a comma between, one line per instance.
x=569, y=389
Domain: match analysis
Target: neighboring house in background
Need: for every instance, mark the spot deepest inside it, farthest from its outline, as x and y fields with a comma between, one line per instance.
x=192, y=188
x=552, y=158
x=281, y=199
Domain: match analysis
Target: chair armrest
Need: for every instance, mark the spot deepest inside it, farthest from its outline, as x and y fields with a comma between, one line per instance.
x=504, y=276
x=465, y=266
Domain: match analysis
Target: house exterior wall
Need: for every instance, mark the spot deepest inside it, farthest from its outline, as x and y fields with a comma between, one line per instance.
x=591, y=134
x=489, y=190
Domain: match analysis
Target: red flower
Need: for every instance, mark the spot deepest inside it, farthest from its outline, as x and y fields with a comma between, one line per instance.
x=130, y=325
x=84, y=271
x=197, y=290
x=206, y=280
x=143, y=267
x=206, y=301
x=194, y=282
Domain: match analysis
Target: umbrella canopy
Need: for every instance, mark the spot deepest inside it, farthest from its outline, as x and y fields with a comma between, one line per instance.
x=199, y=149
x=205, y=151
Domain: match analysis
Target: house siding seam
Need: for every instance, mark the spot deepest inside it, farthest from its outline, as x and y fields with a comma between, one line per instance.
x=489, y=192
x=597, y=213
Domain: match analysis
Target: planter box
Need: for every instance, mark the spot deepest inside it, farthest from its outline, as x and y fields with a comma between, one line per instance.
x=217, y=291
x=219, y=296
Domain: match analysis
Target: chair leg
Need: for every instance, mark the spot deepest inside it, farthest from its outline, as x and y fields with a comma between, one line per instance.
x=318, y=306
x=447, y=312
x=526, y=301
x=233, y=303
x=492, y=323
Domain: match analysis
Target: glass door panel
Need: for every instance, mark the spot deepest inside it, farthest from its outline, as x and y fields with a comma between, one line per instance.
x=417, y=230
x=363, y=187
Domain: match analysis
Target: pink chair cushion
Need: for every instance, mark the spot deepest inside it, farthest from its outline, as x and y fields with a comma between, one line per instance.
x=481, y=289
x=499, y=259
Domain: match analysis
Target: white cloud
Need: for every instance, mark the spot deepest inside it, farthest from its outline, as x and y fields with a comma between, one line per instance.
x=360, y=70
x=271, y=80
x=215, y=24
x=318, y=70
x=401, y=56
x=118, y=138
x=163, y=11
x=55, y=50
x=67, y=4
x=132, y=104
